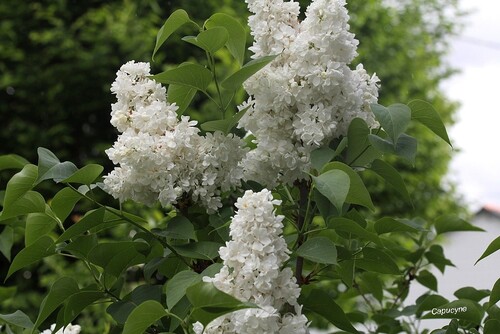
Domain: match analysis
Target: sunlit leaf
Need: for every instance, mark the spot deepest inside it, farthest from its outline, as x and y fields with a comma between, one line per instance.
x=176, y=20
x=236, y=44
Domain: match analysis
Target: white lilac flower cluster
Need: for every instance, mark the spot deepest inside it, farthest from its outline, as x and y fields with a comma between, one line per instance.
x=160, y=157
x=252, y=272
x=308, y=95
x=70, y=329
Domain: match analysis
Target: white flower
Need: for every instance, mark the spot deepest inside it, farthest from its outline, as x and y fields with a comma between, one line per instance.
x=308, y=95
x=160, y=157
x=69, y=329
x=252, y=272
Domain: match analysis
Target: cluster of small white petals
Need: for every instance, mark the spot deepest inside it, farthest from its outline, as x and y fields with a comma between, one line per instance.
x=252, y=272
x=308, y=95
x=70, y=329
x=161, y=157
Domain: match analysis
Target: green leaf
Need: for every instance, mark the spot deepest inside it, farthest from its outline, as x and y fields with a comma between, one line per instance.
x=334, y=185
x=64, y=201
x=29, y=202
x=121, y=310
x=471, y=293
x=393, y=119
x=451, y=223
x=392, y=177
x=236, y=44
x=181, y=96
x=358, y=194
x=189, y=75
x=20, y=184
x=90, y=220
x=235, y=80
x=41, y=248
x=12, y=161
x=427, y=279
x=435, y=255
x=7, y=292
x=406, y=147
x=350, y=226
x=321, y=303
x=492, y=248
x=224, y=125
x=144, y=316
x=427, y=302
x=59, y=292
x=203, y=250
x=210, y=40
x=425, y=113
x=452, y=327
x=18, y=319
x=51, y=168
x=376, y=260
x=210, y=303
x=492, y=326
x=370, y=283
x=495, y=293
x=37, y=225
x=176, y=20
x=85, y=175
x=82, y=245
x=359, y=150
x=180, y=227
x=6, y=241
x=115, y=257
x=176, y=287
x=462, y=309
x=319, y=249
x=390, y=225
x=321, y=156
x=77, y=302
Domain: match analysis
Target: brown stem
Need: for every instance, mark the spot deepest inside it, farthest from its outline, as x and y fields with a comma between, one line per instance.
x=300, y=220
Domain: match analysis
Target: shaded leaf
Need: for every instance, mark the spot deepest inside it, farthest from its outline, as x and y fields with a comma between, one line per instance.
x=12, y=161
x=181, y=96
x=334, y=185
x=203, y=250
x=77, y=302
x=321, y=303
x=180, y=227
x=492, y=248
x=427, y=279
x=144, y=316
x=176, y=287
x=471, y=294
x=392, y=177
x=350, y=226
x=393, y=119
x=90, y=220
x=210, y=303
x=235, y=80
x=41, y=248
x=492, y=326
x=462, y=309
x=236, y=44
x=189, y=75
x=18, y=318
x=451, y=223
x=359, y=149
x=6, y=241
x=37, y=225
x=358, y=194
x=224, y=125
x=376, y=260
x=62, y=289
x=319, y=249
x=321, y=156
x=210, y=40
x=85, y=175
x=64, y=201
x=425, y=113
x=428, y=302
x=389, y=225
x=176, y=20
x=495, y=293
x=435, y=255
